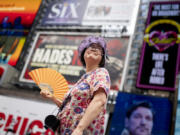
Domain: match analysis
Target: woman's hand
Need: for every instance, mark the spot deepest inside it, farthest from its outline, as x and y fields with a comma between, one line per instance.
x=46, y=94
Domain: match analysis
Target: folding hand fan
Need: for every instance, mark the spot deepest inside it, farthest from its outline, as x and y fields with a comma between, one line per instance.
x=51, y=80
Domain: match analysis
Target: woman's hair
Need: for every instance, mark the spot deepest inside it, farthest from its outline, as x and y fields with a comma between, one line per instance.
x=89, y=40
x=135, y=105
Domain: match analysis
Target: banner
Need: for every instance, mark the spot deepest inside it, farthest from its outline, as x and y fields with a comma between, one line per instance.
x=19, y=116
x=112, y=13
x=105, y=13
x=18, y=14
x=160, y=52
x=65, y=12
x=146, y=115
x=15, y=22
x=59, y=51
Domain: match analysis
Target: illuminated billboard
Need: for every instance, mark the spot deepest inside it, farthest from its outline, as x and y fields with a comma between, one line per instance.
x=16, y=20
x=160, y=52
x=18, y=14
x=140, y=114
x=59, y=51
x=65, y=12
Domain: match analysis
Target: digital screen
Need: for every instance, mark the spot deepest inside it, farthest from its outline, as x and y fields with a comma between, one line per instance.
x=16, y=20
x=141, y=115
x=160, y=52
x=18, y=14
x=11, y=48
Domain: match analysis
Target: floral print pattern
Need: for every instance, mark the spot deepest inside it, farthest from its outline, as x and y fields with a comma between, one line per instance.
x=81, y=96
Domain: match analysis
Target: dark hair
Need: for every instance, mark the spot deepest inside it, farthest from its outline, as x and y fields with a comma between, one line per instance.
x=101, y=64
x=133, y=107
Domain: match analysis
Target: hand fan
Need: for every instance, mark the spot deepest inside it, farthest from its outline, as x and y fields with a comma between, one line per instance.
x=51, y=80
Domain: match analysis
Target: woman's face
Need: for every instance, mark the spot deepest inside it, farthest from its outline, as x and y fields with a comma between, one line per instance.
x=93, y=55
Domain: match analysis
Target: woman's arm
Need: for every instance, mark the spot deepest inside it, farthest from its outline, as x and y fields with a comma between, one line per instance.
x=48, y=95
x=94, y=109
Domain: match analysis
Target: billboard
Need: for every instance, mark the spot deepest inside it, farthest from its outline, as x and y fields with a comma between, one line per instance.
x=19, y=116
x=141, y=115
x=65, y=12
x=10, y=49
x=112, y=13
x=59, y=51
x=18, y=14
x=92, y=13
x=15, y=22
x=160, y=52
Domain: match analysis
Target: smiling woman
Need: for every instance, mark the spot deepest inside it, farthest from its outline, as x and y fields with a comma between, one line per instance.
x=85, y=103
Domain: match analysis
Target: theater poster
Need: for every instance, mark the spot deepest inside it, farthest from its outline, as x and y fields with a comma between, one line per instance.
x=65, y=12
x=160, y=52
x=153, y=118
x=59, y=51
x=15, y=22
x=105, y=13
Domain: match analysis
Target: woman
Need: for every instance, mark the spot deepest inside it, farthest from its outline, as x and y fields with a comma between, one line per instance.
x=84, y=112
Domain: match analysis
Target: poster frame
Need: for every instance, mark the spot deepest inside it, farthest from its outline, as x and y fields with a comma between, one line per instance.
x=38, y=33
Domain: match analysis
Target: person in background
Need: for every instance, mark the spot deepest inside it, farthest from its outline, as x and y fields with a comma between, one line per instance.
x=139, y=119
x=85, y=103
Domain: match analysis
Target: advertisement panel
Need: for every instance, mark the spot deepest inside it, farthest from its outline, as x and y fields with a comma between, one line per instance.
x=59, y=51
x=10, y=49
x=160, y=52
x=18, y=14
x=24, y=117
x=15, y=22
x=103, y=13
x=141, y=114
x=65, y=12
x=114, y=12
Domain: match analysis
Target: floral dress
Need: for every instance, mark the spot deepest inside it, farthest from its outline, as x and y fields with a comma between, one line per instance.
x=81, y=95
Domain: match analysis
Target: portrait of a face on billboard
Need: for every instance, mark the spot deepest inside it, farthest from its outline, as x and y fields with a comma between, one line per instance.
x=141, y=115
x=59, y=52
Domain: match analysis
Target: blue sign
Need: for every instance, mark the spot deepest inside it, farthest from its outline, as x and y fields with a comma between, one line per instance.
x=141, y=114
x=65, y=12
